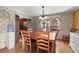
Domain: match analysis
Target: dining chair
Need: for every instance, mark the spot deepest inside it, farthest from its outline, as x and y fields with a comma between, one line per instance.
x=54, y=42
x=42, y=41
x=26, y=41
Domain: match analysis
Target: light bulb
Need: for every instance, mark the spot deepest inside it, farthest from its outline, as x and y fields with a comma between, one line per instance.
x=40, y=17
x=45, y=17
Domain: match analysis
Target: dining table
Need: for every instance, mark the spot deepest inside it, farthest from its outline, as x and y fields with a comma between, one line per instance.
x=52, y=40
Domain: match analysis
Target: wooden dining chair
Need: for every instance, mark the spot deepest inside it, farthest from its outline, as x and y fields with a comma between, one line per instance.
x=42, y=41
x=26, y=41
x=54, y=41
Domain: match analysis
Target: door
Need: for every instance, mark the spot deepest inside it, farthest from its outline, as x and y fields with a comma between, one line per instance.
x=17, y=36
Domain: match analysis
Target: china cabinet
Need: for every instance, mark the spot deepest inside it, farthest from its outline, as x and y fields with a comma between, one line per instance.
x=50, y=24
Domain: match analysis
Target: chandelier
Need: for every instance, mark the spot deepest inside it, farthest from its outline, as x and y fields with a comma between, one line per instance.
x=43, y=16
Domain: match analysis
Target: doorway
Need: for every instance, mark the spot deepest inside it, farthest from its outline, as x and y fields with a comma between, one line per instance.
x=17, y=29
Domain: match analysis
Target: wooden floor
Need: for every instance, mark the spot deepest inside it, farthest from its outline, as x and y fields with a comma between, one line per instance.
x=61, y=47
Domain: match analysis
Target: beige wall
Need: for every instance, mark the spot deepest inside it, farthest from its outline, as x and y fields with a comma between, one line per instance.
x=65, y=25
x=6, y=16
x=35, y=23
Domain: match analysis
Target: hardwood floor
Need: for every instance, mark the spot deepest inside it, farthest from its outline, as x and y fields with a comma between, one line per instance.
x=61, y=47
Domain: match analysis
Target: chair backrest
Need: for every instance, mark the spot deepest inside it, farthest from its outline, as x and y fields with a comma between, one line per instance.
x=25, y=36
x=56, y=34
x=42, y=40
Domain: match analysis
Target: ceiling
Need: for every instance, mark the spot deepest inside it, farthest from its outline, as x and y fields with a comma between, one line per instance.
x=37, y=10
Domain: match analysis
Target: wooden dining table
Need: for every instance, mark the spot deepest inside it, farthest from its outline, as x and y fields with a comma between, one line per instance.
x=52, y=39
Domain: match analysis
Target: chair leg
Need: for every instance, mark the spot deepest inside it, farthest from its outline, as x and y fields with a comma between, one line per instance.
x=49, y=50
x=54, y=49
x=30, y=49
x=37, y=50
x=23, y=45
